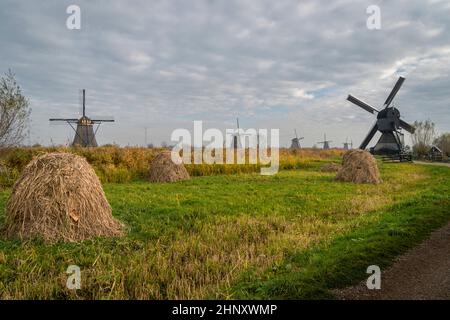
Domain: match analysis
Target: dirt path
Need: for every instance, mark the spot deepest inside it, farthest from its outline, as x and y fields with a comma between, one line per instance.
x=443, y=164
x=422, y=273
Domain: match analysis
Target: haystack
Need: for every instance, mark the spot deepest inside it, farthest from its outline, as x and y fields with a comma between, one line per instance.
x=59, y=198
x=163, y=169
x=359, y=166
x=331, y=167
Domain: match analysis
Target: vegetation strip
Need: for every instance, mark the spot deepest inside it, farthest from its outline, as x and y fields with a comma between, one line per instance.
x=293, y=235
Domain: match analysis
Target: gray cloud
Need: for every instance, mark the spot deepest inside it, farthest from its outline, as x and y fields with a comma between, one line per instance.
x=274, y=64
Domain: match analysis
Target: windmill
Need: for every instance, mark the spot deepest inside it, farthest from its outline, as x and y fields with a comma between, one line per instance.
x=296, y=141
x=236, y=137
x=253, y=138
x=84, y=133
x=388, y=123
x=348, y=145
x=325, y=142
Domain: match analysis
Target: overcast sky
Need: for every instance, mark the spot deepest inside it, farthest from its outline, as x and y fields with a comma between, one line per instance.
x=274, y=64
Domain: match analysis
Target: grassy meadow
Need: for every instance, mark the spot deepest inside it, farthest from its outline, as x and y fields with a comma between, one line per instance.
x=229, y=234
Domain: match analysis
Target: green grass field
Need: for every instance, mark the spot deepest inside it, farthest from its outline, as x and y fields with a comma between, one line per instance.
x=293, y=235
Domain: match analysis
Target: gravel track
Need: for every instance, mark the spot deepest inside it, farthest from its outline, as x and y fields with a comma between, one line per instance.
x=423, y=273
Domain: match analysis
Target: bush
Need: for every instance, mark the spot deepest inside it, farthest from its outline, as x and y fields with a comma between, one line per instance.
x=443, y=142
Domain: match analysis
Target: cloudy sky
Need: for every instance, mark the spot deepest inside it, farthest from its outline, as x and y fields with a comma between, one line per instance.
x=274, y=64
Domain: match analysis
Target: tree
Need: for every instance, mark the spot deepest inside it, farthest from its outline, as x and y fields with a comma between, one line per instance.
x=14, y=112
x=443, y=142
x=423, y=137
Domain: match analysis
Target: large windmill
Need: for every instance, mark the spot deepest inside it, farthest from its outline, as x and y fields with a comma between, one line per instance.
x=295, y=142
x=325, y=142
x=388, y=123
x=84, y=132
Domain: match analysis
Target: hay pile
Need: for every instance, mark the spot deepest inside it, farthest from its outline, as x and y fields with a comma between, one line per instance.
x=331, y=167
x=163, y=169
x=359, y=166
x=59, y=197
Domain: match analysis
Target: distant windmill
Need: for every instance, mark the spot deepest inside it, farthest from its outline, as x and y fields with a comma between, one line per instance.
x=296, y=141
x=237, y=137
x=325, y=142
x=348, y=145
x=84, y=133
x=237, y=143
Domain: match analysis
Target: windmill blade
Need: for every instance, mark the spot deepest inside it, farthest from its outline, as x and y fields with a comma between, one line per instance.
x=65, y=120
x=361, y=104
x=238, y=129
x=394, y=91
x=369, y=137
x=407, y=126
x=84, y=102
x=102, y=120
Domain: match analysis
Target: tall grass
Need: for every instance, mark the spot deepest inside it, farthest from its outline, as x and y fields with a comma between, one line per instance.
x=120, y=165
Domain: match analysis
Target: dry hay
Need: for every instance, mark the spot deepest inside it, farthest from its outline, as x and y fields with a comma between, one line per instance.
x=331, y=167
x=59, y=198
x=359, y=166
x=163, y=169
